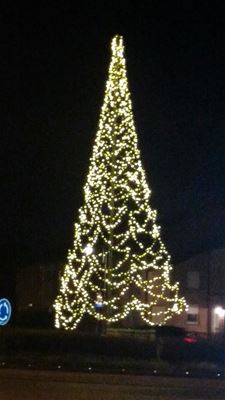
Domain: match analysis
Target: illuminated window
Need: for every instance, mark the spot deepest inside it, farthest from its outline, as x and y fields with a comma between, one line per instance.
x=192, y=315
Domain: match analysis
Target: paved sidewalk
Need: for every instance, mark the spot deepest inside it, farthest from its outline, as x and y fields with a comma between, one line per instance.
x=58, y=385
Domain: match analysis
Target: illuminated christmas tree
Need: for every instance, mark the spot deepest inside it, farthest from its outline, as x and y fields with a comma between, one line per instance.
x=118, y=263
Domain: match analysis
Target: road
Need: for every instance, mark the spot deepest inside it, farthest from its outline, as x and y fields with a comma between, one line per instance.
x=58, y=385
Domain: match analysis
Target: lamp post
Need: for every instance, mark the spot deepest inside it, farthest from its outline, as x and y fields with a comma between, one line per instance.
x=98, y=306
x=88, y=250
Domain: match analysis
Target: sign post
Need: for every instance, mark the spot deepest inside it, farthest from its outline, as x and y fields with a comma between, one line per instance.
x=5, y=315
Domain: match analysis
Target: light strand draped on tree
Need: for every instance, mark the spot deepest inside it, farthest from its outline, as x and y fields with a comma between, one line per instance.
x=118, y=261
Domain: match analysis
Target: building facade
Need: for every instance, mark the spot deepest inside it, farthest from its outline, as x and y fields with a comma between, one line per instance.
x=36, y=288
x=202, y=283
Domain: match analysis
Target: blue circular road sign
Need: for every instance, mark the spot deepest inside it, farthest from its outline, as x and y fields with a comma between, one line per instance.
x=5, y=311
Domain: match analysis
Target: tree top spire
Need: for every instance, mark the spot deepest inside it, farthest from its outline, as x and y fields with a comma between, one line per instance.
x=117, y=46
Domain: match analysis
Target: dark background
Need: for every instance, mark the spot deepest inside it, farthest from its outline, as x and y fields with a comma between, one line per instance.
x=54, y=63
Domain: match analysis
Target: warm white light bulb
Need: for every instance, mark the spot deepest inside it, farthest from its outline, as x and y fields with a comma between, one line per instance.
x=88, y=250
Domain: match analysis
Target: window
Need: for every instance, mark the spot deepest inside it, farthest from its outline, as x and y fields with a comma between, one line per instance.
x=192, y=315
x=193, y=279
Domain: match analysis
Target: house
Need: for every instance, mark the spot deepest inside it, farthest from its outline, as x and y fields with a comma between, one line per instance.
x=202, y=283
x=36, y=289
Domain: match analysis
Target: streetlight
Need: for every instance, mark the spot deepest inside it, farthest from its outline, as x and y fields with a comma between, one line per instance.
x=220, y=312
x=88, y=250
x=99, y=301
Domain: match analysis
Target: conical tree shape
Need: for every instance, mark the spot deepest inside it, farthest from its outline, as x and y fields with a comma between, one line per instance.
x=118, y=263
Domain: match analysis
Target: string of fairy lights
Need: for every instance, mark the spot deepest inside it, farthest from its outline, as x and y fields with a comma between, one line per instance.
x=118, y=263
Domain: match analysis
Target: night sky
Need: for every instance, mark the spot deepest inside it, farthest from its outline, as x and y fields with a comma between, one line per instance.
x=54, y=64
